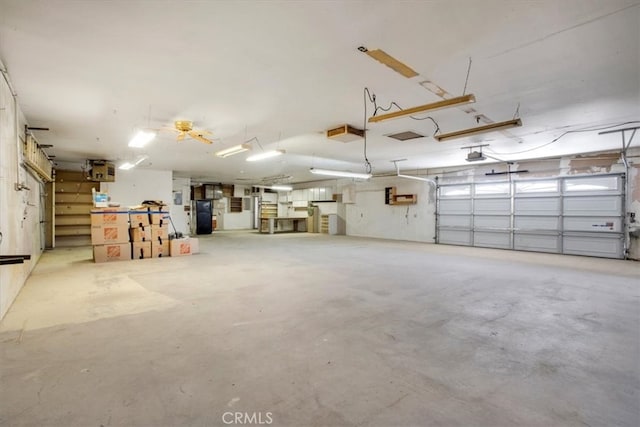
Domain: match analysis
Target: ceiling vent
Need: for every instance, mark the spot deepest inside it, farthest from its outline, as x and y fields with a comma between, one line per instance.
x=345, y=133
x=405, y=136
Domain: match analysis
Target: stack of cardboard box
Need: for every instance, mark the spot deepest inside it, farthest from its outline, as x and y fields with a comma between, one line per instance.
x=110, y=234
x=140, y=234
x=159, y=232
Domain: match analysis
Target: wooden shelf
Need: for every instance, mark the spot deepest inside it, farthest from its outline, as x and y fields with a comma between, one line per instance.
x=73, y=204
x=235, y=204
x=392, y=198
x=324, y=224
x=267, y=210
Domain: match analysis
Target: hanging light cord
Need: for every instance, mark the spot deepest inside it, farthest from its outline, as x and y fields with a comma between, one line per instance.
x=372, y=99
x=367, y=163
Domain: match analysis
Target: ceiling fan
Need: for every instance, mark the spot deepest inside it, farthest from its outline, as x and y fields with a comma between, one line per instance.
x=185, y=129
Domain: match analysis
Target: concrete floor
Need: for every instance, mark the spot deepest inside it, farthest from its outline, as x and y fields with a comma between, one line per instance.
x=311, y=330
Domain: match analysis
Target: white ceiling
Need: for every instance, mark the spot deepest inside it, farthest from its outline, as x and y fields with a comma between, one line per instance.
x=285, y=72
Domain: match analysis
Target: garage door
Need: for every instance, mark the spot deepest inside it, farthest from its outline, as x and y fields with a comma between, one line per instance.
x=573, y=215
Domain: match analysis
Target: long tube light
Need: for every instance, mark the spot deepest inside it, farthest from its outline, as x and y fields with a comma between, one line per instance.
x=265, y=155
x=128, y=165
x=277, y=187
x=236, y=149
x=452, y=102
x=142, y=138
x=491, y=127
x=342, y=174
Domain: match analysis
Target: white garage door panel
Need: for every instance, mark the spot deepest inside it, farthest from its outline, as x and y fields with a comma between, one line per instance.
x=489, y=239
x=489, y=221
x=456, y=207
x=595, y=205
x=596, y=224
x=536, y=222
x=537, y=242
x=463, y=221
x=593, y=245
x=537, y=206
x=579, y=215
x=455, y=237
x=492, y=206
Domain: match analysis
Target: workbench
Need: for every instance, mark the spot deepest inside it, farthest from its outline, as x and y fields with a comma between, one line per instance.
x=271, y=224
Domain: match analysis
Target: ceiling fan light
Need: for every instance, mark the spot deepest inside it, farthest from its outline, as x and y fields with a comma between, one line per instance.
x=342, y=174
x=142, y=138
x=236, y=149
x=265, y=155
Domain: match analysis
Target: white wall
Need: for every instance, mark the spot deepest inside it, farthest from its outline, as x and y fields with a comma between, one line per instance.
x=19, y=210
x=236, y=220
x=179, y=216
x=134, y=186
x=370, y=217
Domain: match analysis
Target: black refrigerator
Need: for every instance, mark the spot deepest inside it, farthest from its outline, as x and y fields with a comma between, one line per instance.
x=204, y=217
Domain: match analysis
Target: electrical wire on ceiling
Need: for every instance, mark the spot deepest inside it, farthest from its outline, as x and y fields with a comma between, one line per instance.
x=372, y=99
x=563, y=135
x=464, y=90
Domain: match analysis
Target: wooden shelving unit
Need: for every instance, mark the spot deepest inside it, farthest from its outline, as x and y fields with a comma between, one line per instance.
x=392, y=198
x=324, y=224
x=235, y=204
x=73, y=204
x=267, y=210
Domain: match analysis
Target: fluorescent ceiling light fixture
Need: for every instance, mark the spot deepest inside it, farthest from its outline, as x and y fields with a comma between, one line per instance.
x=276, y=187
x=236, y=149
x=452, y=102
x=128, y=165
x=265, y=155
x=491, y=127
x=140, y=160
x=342, y=174
x=142, y=138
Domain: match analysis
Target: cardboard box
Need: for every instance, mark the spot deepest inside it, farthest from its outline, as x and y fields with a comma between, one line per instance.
x=158, y=217
x=101, y=235
x=159, y=232
x=103, y=171
x=109, y=216
x=140, y=250
x=112, y=252
x=139, y=218
x=180, y=247
x=159, y=248
x=140, y=234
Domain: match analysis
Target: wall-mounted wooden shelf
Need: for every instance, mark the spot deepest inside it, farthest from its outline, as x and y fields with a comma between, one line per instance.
x=392, y=198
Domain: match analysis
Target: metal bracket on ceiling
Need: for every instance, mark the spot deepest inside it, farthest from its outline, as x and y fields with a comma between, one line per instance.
x=417, y=178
